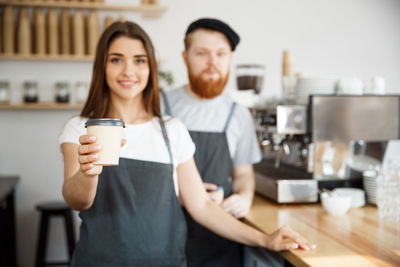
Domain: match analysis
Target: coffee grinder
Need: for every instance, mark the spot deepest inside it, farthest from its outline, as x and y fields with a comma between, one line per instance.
x=250, y=80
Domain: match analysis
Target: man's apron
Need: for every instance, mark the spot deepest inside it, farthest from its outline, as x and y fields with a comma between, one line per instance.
x=213, y=160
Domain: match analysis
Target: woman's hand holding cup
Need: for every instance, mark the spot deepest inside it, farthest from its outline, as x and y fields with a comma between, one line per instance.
x=88, y=153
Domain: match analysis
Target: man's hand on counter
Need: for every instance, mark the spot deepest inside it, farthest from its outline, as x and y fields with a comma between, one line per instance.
x=237, y=205
x=243, y=185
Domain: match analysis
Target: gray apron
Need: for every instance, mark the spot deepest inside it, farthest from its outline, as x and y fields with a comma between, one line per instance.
x=212, y=156
x=136, y=218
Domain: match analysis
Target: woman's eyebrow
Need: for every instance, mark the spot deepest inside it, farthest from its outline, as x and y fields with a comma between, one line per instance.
x=115, y=54
x=121, y=55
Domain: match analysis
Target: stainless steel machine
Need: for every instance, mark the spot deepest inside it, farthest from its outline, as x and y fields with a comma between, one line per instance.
x=326, y=143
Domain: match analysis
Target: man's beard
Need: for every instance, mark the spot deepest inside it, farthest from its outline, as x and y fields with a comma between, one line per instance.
x=207, y=88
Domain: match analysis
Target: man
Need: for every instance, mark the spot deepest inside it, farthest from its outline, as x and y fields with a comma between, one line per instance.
x=223, y=131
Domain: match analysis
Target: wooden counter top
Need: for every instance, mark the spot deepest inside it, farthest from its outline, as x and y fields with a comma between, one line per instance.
x=358, y=238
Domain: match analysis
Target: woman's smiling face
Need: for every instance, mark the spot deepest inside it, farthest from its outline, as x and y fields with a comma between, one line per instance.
x=127, y=68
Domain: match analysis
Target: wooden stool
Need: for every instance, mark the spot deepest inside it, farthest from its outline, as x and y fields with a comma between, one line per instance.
x=47, y=210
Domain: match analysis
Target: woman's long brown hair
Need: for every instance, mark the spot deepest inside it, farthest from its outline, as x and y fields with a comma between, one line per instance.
x=98, y=102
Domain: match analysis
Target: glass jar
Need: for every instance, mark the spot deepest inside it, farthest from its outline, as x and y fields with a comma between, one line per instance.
x=4, y=91
x=62, y=92
x=82, y=90
x=31, y=92
x=388, y=191
x=289, y=89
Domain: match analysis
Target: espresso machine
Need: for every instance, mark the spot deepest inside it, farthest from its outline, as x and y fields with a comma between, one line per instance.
x=323, y=144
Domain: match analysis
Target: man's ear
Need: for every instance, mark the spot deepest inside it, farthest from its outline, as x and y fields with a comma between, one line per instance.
x=184, y=56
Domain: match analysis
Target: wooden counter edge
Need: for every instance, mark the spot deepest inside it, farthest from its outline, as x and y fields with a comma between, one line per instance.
x=287, y=254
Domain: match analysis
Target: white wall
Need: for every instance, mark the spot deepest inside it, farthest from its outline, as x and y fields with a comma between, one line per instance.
x=358, y=38
x=344, y=37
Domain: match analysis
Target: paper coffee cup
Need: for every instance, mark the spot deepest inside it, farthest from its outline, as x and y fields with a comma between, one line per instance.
x=218, y=195
x=108, y=134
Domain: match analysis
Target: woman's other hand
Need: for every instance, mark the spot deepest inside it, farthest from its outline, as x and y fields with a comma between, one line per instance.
x=285, y=238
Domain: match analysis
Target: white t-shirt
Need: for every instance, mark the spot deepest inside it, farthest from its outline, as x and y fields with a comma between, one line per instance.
x=144, y=141
x=210, y=115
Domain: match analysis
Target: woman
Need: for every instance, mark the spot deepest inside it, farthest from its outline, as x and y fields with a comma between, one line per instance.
x=131, y=213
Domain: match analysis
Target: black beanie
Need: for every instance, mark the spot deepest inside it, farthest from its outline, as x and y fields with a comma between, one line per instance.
x=215, y=24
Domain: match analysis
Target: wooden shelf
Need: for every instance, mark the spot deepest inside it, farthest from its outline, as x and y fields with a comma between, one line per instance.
x=41, y=106
x=72, y=58
x=146, y=10
x=84, y=58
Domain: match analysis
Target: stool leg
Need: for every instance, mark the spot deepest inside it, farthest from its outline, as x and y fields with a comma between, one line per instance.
x=41, y=247
x=69, y=223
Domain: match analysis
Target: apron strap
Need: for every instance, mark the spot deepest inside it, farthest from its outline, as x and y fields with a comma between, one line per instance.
x=230, y=116
x=165, y=135
x=165, y=100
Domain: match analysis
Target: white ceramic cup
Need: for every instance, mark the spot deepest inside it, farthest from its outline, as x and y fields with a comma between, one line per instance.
x=108, y=134
x=335, y=204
